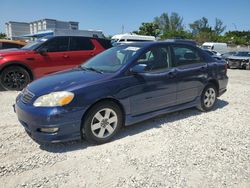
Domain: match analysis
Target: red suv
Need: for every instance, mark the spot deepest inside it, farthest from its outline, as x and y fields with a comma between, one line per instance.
x=47, y=55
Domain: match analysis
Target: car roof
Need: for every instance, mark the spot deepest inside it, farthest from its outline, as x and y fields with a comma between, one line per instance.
x=155, y=43
x=49, y=37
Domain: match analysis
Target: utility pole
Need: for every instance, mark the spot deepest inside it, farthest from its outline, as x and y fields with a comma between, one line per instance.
x=122, y=28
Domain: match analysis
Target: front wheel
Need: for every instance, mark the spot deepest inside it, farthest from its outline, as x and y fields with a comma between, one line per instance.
x=208, y=98
x=14, y=78
x=102, y=122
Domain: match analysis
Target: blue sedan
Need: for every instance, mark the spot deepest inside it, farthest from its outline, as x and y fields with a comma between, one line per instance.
x=119, y=87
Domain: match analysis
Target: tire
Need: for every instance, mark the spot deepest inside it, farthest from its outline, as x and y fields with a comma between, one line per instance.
x=102, y=122
x=248, y=66
x=208, y=98
x=14, y=78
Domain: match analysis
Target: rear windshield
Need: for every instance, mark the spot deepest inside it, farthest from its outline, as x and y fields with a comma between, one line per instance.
x=105, y=43
x=247, y=54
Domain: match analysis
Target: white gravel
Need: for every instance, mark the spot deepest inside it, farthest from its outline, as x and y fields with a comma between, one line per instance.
x=182, y=149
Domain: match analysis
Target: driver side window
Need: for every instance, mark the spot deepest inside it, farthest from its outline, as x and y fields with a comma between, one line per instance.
x=157, y=58
x=57, y=44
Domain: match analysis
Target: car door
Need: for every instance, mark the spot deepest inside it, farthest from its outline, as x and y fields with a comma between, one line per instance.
x=80, y=50
x=192, y=72
x=53, y=56
x=156, y=88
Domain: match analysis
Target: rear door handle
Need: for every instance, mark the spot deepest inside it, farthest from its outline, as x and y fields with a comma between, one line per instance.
x=203, y=69
x=65, y=56
x=172, y=74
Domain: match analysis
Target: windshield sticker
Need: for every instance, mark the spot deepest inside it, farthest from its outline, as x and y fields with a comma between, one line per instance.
x=131, y=48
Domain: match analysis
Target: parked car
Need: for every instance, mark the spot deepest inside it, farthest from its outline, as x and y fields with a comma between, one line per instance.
x=121, y=86
x=240, y=60
x=130, y=37
x=45, y=56
x=216, y=46
x=227, y=54
x=7, y=44
x=215, y=55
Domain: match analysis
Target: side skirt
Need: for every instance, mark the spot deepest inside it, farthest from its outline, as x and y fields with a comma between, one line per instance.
x=135, y=119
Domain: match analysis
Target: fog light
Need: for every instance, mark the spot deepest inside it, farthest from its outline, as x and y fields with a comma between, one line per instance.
x=49, y=130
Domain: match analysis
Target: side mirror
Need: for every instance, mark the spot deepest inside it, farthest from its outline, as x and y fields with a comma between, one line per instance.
x=139, y=68
x=42, y=51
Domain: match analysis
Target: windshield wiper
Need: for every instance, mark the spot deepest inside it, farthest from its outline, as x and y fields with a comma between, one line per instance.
x=91, y=69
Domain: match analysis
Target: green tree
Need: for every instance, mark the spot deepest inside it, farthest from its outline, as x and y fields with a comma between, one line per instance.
x=203, y=32
x=177, y=34
x=219, y=27
x=163, y=22
x=200, y=25
x=149, y=28
x=2, y=35
x=167, y=23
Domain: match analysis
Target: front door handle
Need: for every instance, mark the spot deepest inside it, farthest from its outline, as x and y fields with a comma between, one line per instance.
x=65, y=56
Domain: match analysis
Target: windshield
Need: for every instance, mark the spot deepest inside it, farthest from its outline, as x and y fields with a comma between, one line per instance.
x=34, y=44
x=111, y=60
x=206, y=47
x=247, y=54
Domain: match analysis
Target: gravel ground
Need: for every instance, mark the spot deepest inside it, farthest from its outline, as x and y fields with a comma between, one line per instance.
x=182, y=149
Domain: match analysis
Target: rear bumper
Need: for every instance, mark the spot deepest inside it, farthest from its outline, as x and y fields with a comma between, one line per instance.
x=223, y=85
x=221, y=92
x=33, y=119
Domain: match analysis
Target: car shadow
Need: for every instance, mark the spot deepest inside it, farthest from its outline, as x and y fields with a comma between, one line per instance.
x=156, y=122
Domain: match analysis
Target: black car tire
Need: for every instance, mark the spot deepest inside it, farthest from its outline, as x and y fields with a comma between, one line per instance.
x=14, y=78
x=205, y=96
x=88, y=122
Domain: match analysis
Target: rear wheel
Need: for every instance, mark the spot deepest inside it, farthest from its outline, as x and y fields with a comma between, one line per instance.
x=102, y=122
x=14, y=78
x=208, y=98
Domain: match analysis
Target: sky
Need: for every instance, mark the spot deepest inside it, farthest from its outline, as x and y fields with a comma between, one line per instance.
x=110, y=15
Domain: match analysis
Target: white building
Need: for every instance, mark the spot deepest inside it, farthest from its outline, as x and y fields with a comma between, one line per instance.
x=16, y=29
x=50, y=24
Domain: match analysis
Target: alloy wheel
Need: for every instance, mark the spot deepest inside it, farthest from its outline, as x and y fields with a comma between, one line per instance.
x=104, y=123
x=210, y=97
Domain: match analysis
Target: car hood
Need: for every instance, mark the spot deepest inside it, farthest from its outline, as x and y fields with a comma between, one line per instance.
x=13, y=51
x=238, y=57
x=65, y=81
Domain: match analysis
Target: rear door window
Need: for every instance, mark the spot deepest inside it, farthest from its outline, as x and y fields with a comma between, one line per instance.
x=185, y=55
x=80, y=44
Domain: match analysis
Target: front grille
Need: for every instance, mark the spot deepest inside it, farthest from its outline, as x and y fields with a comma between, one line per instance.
x=27, y=96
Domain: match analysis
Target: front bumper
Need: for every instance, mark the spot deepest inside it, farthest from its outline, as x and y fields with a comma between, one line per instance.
x=238, y=64
x=68, y=121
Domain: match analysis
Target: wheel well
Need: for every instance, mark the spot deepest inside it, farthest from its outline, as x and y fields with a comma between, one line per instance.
x=106, y=100
x=19, y=65
x=215, y=83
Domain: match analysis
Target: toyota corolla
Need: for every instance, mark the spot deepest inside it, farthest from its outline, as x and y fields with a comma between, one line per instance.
x=119, y=87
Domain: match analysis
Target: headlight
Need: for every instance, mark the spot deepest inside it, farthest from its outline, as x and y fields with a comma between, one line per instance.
x=59, y=98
